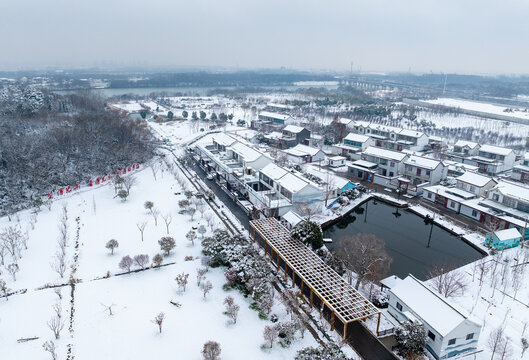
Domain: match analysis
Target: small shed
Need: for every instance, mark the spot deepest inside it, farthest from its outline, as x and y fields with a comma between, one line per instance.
x=389, y=282
x=337, y=161
x=503, y=239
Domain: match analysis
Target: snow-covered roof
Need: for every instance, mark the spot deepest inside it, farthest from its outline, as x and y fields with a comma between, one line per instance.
x=292, y=218
x=302, y=150
x=274, y=115
x=513, y=190
x=224, y=139
x=246, y=152
x=428, y=306
x=422, y=162
x=293, y=129
x=326, y=175
x=364, y=164
x=292, y=182
x=495, y=150
x=337, y=158
x=383, y=153
x=345, y=121
x=280, y=106
x=450, y=193
x=411, y=133
x=463, y=143
x=507, y=234
x=274, y=135
x=356, y=137
x=273, y=171
x=390, y=281
x=475, y=179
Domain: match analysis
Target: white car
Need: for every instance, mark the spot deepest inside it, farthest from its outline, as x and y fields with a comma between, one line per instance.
x=210, y=177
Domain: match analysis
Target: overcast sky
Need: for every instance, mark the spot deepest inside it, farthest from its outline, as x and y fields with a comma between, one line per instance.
x=464, y=36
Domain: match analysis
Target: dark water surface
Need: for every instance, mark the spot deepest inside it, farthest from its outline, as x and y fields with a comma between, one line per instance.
x=406, y=237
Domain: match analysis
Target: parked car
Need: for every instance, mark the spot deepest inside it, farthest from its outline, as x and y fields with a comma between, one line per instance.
x=210, y=177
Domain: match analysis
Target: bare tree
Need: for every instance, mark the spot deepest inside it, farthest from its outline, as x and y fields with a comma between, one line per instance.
x=56, y=325
x=108, y=308
x=128, y=183
x=448, y=284
x=141, y=260
x=191, y=236
x=13, y=269
x=141, y=227
x=525, y=345
x=211, y=350
x=496, y=341
x=167, y=218
x=154, y=167
x=202, y=230
x=209, y=219
x=12, y=241
x=57, y=308
x=270, y=334
x=155, y=213
x=232, y=309
x=201, y=207
x=308, y=210
x=206, y=287
x=158, y=320
x=506, y=349
x=365, y=255
x=181, y=280
x=3, y=253
x=126, y=263
x=200, y=275
x=148, y=205
x=59, y=264
x=329, y=187
x=191, y=211
x=49, y=346
x=4, y=289
x=111, y=245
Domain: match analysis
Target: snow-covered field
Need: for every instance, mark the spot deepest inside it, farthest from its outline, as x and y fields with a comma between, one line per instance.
x=136, y=298
x=521, y=113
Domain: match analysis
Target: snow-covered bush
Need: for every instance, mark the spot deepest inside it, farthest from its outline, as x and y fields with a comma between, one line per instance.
x=309, y=233
x=411, y=339
x=328, y=352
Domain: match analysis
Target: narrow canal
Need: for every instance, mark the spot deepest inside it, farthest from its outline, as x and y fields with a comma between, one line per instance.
x=406, y=239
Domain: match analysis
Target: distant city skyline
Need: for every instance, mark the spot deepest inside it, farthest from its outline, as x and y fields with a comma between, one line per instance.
x=451, y=36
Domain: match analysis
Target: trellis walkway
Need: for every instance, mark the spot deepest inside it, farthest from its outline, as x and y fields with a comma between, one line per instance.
x=322, y=285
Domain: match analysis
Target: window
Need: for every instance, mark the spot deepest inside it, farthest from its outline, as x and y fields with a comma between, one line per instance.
x=496, y=197
x=470, y=336
x=474, y=213
x=427, y=172
x=399, y=306
x=451, y=341
x=472, y=188
x=452, y=203
x=391, y=173
x=392, y=164
x=431, y=335
x=429, y=195
x=418, y=172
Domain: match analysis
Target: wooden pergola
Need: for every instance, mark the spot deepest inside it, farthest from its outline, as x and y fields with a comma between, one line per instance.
x=320, y=283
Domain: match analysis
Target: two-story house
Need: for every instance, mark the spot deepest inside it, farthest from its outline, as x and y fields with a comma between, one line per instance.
x=475, y=183
x=492, y=160
x=422, y=170
x=297, y=133
x=353, y=145
x=520, y=172
x=389, y=163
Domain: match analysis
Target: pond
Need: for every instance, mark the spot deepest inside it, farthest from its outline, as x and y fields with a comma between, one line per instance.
x=406, y=239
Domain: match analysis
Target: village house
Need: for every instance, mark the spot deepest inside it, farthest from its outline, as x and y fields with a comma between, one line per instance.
x=303, y=154
x=492, y=160
x=352, y=146
x=503, y=239
x=392, y=138
x=463, y=149
x=389, y=163
x=297, y=133
x=450, y=332
x=448, y=197
x=520, y=172
x=475, y=183
x=276, y=118
x=336, y=161
x=422, y=170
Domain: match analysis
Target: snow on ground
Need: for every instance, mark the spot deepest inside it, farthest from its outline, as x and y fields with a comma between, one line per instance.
x=488, y=305
x=521, y=113
x=137, y=297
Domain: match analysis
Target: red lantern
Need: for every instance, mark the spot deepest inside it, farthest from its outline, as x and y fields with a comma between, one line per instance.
x=103, y=179
x=129, y=168
x=68, y=189
x=50, y=195
x=61, y=191
x=97, y=181
x=77, y=187
x=90, y=182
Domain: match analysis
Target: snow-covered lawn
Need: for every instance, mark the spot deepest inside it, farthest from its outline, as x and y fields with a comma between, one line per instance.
x=498, y=303
x=137, y=297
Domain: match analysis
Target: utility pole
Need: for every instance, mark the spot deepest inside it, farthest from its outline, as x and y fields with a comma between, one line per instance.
x=524, y=232
x=431, y=229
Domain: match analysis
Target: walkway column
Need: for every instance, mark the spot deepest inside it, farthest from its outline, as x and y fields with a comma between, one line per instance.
x=344, y=332
x=311, y=297
x=378, y=323
x=332, y=321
